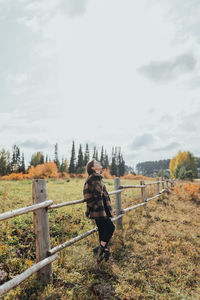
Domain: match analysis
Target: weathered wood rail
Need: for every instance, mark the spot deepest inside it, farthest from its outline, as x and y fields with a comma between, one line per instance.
x=44, y=254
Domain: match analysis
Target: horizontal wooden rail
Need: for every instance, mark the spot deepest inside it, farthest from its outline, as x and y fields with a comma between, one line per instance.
x=83, y=235
x=30, y=271
x=44, y=254
x=72, y=241
x=149, y=183
x=66, y=203
x=24, y=210
x=78, y=201
x=140, y=186
x=131, y=186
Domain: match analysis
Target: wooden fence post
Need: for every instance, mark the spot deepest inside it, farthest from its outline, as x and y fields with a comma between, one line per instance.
x=143, y=193
x=158, y=186
x=167, y=180
x=41, y=229
x=163, y=184
x=118, y=203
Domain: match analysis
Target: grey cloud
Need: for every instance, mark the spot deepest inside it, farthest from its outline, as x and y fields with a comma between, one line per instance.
x=74, y=7
x=168, y=70
x=35, y=144
x=189, y=122
x=141, y=141
x=170, y=146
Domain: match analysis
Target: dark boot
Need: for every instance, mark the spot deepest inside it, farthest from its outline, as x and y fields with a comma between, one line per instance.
x=107, y=254
x=100, y=253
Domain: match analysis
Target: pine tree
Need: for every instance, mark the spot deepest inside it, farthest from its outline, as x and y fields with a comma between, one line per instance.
x=22, y=166
x=56, y=160
x=63, y=166
x=94, y=153
x=106, y=160
x=46, y=160
x=80, y=163
x=102, y=158
x=3, y=163
x=72, y=160
x=15, y=161
x=18, y=159
x=113, y=167
x=121, y=164
x=87, y=155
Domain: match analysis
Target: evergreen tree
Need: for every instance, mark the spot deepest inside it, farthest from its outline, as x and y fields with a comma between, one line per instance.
x=87, y=155
x=46, y=160
x=18, y=159
x=80, y=163
x=102, y=158
x=97, y=156
x=15, y=161
x=72, y=160
x=121, y=164
x=4, y=165
x=106, y=160
x=63, y=166
x=113, y=166
x=22, y=165
x=56, y=160
x=94, y=153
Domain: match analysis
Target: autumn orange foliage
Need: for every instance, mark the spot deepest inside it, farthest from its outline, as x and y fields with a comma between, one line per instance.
x=13, y=176
x=187, y=191
x=136, y=177
x=46, y=170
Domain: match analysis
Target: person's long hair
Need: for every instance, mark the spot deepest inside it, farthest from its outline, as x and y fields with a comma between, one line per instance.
x=89, y=166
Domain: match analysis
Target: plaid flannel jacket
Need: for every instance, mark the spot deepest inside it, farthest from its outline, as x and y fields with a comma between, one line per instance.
x=93, y=191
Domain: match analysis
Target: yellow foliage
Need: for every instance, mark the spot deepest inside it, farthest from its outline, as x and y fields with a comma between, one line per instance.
x=179, y=159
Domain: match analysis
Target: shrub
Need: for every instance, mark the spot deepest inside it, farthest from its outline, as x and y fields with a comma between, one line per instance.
x=47, y=170
x=14, y=176
x=187, y=191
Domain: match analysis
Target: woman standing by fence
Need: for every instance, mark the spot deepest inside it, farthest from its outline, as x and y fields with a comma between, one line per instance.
x=98, y=207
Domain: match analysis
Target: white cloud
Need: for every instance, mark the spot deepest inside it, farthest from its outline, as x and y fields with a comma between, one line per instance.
x=74, y=75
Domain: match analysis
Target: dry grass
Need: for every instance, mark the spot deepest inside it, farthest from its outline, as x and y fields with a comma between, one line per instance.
x=155, y=257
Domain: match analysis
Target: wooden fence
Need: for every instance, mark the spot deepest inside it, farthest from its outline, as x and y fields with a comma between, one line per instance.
x=44, y=254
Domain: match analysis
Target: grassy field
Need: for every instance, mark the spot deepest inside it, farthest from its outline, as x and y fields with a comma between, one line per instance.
x=155, y=257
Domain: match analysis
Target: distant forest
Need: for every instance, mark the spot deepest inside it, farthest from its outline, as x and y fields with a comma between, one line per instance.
x=14, y=163
x=158, y=167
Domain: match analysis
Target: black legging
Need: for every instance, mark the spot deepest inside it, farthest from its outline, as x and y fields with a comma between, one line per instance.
x=106, y=229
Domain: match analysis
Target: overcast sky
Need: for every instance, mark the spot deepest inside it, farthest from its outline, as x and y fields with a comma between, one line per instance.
x=107, y=72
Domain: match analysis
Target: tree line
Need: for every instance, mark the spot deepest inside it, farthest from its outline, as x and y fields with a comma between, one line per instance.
x=182, y=166
x=14, y=163
x=153, y=168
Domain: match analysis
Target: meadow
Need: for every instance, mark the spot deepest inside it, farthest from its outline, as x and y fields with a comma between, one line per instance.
x=152, y=257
